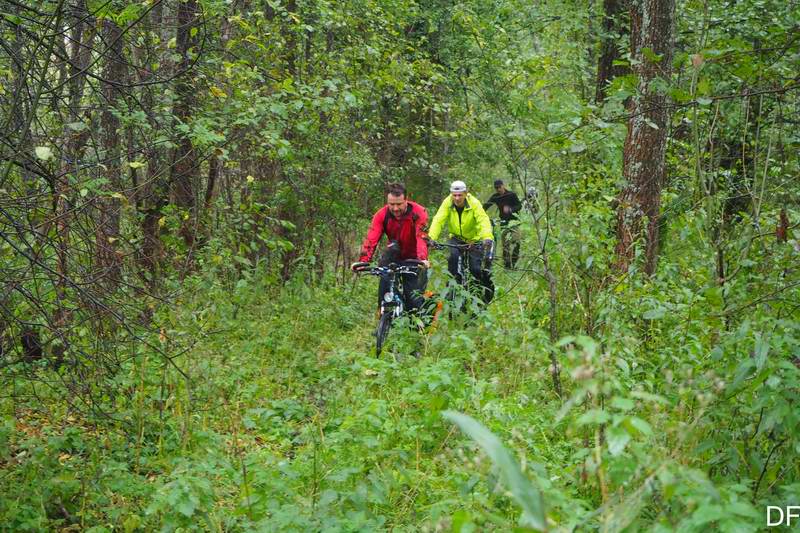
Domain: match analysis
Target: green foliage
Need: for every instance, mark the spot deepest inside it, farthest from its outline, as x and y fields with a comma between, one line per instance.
x=184, y=501
x=240, y=393
x=526, y=495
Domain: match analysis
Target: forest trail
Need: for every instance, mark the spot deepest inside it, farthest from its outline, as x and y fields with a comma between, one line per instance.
x=357, y=439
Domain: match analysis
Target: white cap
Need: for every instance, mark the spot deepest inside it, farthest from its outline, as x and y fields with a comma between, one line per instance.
x=458, y=186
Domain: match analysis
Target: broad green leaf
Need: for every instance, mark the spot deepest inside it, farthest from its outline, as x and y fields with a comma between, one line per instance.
x=639, y=425
x=742, y=508
x=623, y=404
x=44, y=152
x=654, y=314
x=186, y=507
x=131, y=523
x=461, y=520
x=761, y=351
x=680, y=95
x=526, y=495
x=593, y=416
x=648, y=397
x=617, y=438
x=278, y=108
x=708, y=513
x=577, y=147
x=13, y=19
x=651, y=56
x=77, y=126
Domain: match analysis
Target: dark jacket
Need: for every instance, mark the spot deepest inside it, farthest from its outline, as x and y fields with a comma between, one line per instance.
x=508, y=198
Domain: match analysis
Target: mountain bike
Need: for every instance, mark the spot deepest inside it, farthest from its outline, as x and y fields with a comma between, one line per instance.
x=392, y=305
x=508, y=232
x=462, y=268
x=496, y=223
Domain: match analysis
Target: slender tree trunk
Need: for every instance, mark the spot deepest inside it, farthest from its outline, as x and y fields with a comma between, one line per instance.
x=21, y=105
x=213, y=172
x=107, y=260
x=184, y=168
x=73, y=143
x=652, y=23
x=290, y=38
x=151, y=195
x=613, y=28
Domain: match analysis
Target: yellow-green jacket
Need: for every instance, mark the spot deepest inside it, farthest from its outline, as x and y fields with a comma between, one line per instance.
x=471, y=225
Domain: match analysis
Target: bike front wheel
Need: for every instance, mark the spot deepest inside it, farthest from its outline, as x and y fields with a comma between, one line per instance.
x=382, y=332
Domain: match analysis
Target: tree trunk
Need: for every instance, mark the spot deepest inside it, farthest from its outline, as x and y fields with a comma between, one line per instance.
x=213, y=172
x=184, y=168
x=652, y=23
x=151, y=195
x=107, y=260
x=289, y=29
x=73, y=143
x=613, y=28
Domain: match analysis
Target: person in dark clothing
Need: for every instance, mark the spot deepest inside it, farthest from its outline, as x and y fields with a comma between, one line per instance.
x=508, y=205
x=403, y=223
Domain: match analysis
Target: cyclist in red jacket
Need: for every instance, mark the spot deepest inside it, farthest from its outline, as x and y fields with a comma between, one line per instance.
x=403, y=222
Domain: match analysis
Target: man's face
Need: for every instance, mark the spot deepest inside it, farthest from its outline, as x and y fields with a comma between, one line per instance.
x=458, y=198
x=397, y=204
x=500, y=189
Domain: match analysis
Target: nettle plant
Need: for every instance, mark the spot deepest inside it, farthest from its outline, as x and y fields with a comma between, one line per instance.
x=608, y=413
x=640, y=448
x=683, y=436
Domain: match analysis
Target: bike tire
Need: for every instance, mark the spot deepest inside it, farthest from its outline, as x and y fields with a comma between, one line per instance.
x=384, y=324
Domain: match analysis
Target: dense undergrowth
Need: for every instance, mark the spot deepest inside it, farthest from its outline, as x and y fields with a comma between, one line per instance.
x=281, y=418
x=183, y=348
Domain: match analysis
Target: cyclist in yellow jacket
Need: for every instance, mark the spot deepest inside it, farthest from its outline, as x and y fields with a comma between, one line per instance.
x=462, y=215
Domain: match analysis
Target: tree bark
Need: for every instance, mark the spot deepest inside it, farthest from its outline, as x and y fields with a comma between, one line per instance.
x=73, y=143
x=184, y=169
x=107, y=260
x=613, y=28
x=152, y=194
x=652, y=23
x=289, y=29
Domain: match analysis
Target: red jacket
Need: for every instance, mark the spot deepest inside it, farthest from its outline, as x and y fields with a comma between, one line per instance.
x=407, y=230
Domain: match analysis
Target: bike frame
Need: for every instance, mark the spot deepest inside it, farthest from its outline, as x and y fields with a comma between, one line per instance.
x=502, y=233
x=462, y=266
x=463, y=250
x=392, y=305
x=391, y=299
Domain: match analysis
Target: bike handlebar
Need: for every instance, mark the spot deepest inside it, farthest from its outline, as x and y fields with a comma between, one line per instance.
x=489, y=254
x=383, y=271
x=462, y=246
x=409, y=266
